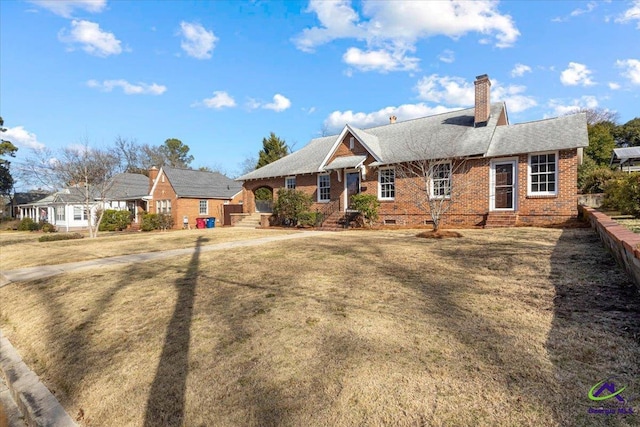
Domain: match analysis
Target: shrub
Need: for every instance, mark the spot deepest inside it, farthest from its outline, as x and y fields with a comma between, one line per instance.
x=156, y=222
x=113, y=220
x=60, y=236
x=27, y=224
x=623, y=194
x=48, y=228
x=290, y=205
x=368, y=205
x=310, y=219
x=592, y=178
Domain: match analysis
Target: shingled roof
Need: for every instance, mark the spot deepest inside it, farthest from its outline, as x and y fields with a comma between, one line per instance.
x=446, y=135
x=128, y=186
x=201, y=184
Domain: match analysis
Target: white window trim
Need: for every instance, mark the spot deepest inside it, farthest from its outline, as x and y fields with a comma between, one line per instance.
x=557, y=183
x=200, y=207
x=318, y=185
x=352, y=143
x=380, y=183
x=492, y=180
x=294, y=182
x=450, y=179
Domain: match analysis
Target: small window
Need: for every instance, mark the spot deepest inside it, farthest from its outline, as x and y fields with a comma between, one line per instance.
x=79, y=214
x=543, y=172
x=387, y=184
x=351, y=143
x=324, y=188
x=60, y=213
x=204, y=207
x=290, y=183
x=441, y=180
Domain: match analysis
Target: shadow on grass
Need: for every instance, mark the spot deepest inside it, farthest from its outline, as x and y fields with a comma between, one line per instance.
x=166, y=403
x=595, y=333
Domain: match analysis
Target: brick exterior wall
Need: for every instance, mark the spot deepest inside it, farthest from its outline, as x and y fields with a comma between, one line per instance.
x=471, y=206
x=189, y=207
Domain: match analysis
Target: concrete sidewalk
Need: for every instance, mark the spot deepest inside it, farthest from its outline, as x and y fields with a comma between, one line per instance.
x=41, y=272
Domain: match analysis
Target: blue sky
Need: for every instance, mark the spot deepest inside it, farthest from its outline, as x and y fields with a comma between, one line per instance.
x=220, y=76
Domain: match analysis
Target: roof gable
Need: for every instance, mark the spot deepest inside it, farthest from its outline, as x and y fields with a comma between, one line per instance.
x=200, y=184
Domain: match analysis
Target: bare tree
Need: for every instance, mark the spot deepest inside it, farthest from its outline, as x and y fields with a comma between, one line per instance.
x=598, y=115
x=437, y=179
x=83, y=167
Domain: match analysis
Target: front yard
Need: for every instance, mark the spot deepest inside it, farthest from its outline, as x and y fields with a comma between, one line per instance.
x=503, y=327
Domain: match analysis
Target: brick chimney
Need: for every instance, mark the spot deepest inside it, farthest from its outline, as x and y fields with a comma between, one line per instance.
x=153, y=174
x=483, y=103
x=392, y=119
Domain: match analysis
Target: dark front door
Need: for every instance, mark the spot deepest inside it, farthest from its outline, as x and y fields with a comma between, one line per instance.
x=353, y=185
x=228, y=210
x=504, y=186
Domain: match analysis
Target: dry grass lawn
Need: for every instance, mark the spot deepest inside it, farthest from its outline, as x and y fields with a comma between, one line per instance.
x=21, y=248
x=505, y=327
x=631, y=224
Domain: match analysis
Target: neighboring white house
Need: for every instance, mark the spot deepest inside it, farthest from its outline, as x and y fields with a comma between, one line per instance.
x=66, y=209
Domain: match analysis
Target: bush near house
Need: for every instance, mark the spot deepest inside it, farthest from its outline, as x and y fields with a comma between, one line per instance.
x=291, y=204
x=623, y=193
x=48, y=228
x=27, y=224
x=309, y=219
x=156, y=222
x=368, y=206
x=115, y=220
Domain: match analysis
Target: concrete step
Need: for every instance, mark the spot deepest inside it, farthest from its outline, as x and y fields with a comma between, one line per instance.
x=10, y=415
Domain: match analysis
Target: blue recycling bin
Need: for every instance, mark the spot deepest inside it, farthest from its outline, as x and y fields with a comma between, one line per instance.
x=211, y=222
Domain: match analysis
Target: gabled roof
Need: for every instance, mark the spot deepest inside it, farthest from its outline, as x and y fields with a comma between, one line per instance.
x=346, y=162
x=623, y=155
x=447, y=135
x=544, y=135
x=30, y=197
x=128, y=186
x=195, y=183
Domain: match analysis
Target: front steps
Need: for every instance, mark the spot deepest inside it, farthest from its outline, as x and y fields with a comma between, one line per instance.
x=249, y=221
x=501, y=220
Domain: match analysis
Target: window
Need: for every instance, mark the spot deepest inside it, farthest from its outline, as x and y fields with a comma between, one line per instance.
x=441, y=180
x=324, y=188
x=351, y=143
x=204, y=207
x=79, y=214
x=543, y=174
x=60, y=213
x=163, y=206
x=387, y=184
x=290, y=183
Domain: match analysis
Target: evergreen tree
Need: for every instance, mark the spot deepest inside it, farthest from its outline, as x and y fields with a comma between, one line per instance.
x=273, y=149
x=6, y=149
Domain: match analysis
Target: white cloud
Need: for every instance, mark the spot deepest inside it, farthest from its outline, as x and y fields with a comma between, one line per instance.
x=576, y=74
x=513, y=96
x=219, y=100
x=519, y=70
x=128, y=88
x=458, y=92
x=562, y=107
x=336, y=120
x=280, y=103
x=379, y=60
x=447, y=56
x=395, y=27
x=590, y=6
x=454, y=91
x=22, y=138
x=631, y=14
x=65, y=8
x=197, y=42
x=631, y=69
x=92, y=39
x=614, y=86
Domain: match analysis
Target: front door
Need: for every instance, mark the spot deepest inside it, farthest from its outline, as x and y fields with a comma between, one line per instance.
x=504, y=186
x=353, y=186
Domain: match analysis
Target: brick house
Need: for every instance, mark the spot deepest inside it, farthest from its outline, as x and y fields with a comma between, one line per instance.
x=523, y=174
x=191, y=194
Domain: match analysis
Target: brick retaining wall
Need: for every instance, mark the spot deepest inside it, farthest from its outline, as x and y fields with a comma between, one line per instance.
x=622, y=242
